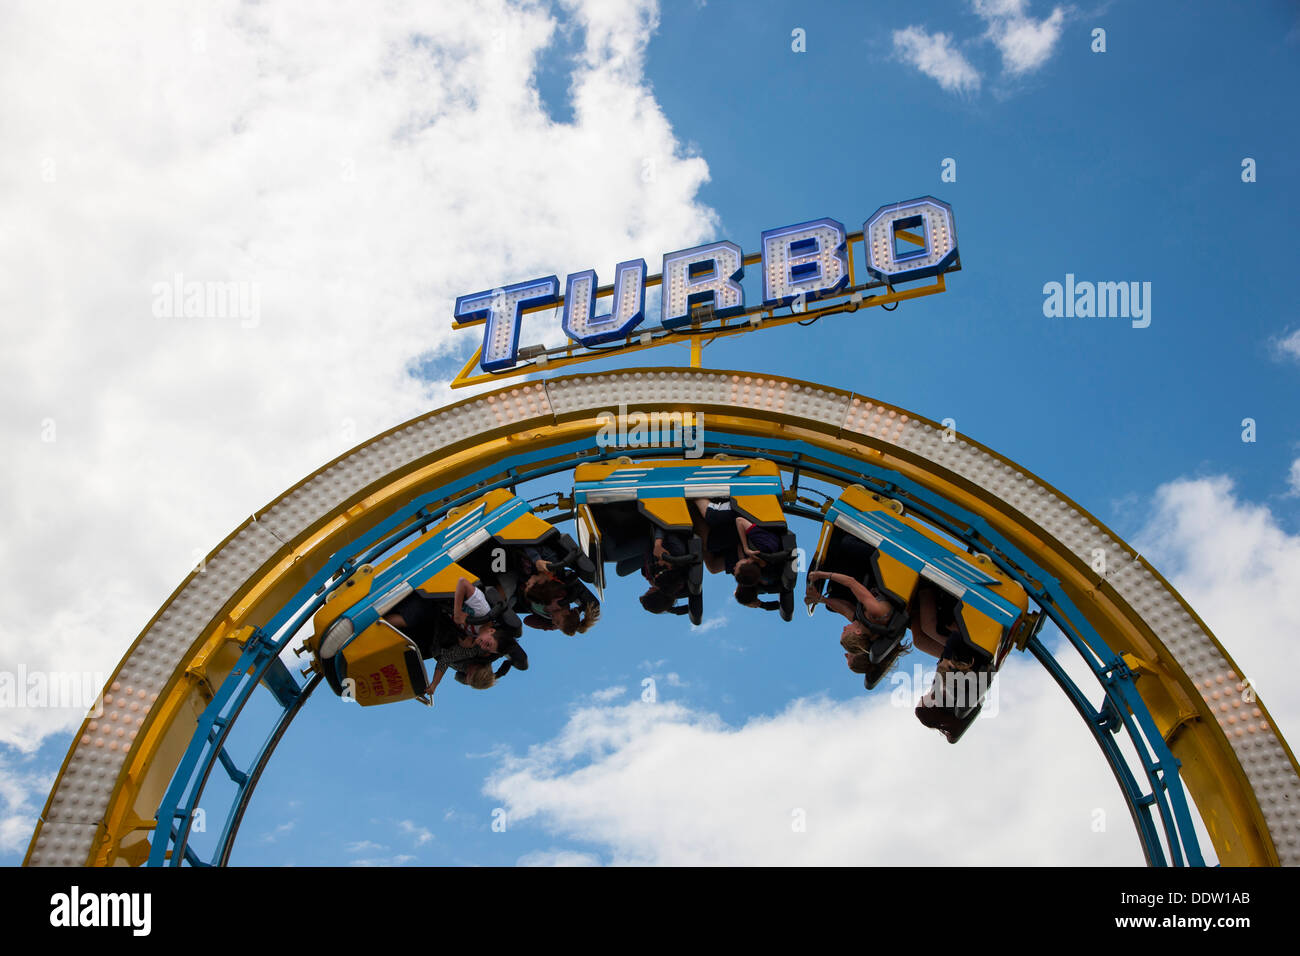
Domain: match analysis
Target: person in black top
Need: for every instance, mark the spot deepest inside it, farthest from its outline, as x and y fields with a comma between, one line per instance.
x=719, y=532
x=543, y=558
x=749, y=597
x=426, y=622
x=752, y=567
x=667, y=581
x=736, y=545
x=439, y=640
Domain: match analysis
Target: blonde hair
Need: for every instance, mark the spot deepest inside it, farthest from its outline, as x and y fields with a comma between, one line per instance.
x=858, y=643
x=481, y=678
x=855, y=643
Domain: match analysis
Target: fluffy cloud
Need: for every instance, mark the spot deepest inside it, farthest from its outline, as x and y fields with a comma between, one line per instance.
x=826, y=782
x=1237, y=567
x=400, y=859
x=1025, y=44
x=22, y=791
x=1289, y=345
x=935, y=56
x=558, y=858
x=354, y=170
x=421, y=835
x=712, y=624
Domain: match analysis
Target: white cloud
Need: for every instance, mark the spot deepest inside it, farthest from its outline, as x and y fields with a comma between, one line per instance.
x=1025, y=43
x=935, y=56
x=422, y=834
x=279, y=831
x=1293, y=479
x=22, y=792
x=361, y=169
x=990, y=9
x=1289, y=345
x=607, y=694
x=712, y=624
x=363, y=846
x=665, y=784
x=558, y=858
x=1237, y=567
x=400, y=859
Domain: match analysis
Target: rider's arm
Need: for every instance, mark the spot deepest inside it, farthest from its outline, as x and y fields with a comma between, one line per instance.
x=463, y=590
x=743, y=525
x=874, y=605
x=437, y=677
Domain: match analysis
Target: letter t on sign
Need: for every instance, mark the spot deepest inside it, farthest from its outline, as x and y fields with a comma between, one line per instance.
x=503, y=309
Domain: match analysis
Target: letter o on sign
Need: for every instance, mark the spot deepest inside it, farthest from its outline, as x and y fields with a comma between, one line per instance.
x=910, y=240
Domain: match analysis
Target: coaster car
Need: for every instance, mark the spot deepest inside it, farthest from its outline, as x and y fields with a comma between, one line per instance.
x=621, y=508
x=991, y=612
x=504, y=560
x=363, y=656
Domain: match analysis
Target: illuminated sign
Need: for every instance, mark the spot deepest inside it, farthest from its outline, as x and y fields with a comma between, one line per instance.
x=701, y=293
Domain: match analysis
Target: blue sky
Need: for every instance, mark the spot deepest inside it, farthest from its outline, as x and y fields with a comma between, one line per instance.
x=1117, y=166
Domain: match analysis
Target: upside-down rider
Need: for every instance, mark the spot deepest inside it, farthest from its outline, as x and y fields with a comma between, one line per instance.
x=455, y=640
x=667, y=580
x=736, y=545
x=869, y=612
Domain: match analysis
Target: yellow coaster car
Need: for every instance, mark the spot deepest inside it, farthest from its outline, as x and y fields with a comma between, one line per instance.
x=990, y=611
x=621, y=507
x=363, y=656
